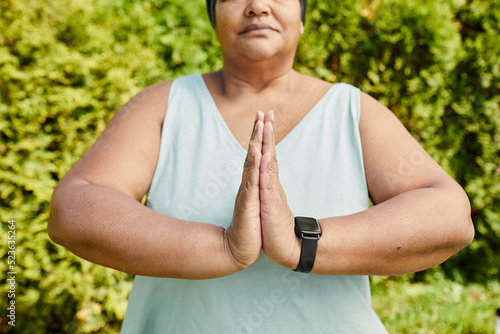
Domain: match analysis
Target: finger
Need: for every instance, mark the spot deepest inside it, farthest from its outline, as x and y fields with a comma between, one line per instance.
x=269, y=163
x=259, y=116
x=253, y=159
x=258, y=136
x=269, y=180
x=253, y=132
x=268, y=172
x=269, y=116
x=255, y=147
x=254, y=176
x=268, y=143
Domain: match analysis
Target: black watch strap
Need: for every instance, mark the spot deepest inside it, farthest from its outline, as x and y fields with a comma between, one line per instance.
x=307, y=253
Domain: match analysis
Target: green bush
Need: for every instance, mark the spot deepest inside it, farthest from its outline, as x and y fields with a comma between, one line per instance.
x=436, y=64
x=66, y=66
x=439, y=307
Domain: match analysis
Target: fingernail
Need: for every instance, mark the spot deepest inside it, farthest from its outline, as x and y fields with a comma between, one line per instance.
x=272, y=115
x=257, y=115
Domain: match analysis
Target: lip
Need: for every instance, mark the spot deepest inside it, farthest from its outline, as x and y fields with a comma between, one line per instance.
x=257, y=26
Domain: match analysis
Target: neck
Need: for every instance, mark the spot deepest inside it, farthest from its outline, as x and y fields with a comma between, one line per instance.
x=256, y=77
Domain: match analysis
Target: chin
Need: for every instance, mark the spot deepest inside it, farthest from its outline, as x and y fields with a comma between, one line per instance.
x=258, y=56
x=258, y=52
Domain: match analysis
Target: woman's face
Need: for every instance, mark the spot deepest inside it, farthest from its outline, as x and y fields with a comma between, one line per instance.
x=258, y=29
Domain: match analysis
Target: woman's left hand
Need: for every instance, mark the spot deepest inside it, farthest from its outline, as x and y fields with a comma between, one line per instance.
x=279, y=241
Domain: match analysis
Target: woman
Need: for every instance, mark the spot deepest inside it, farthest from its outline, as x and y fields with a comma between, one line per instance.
x=217, y=250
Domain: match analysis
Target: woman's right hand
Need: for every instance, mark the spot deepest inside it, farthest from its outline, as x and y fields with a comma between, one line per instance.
x=243, y=238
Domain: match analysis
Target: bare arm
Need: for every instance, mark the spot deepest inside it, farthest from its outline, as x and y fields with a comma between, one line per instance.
x=96, y=211
x=421, y=215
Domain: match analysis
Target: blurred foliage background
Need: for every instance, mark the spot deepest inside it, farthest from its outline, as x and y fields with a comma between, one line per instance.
x=67, y=65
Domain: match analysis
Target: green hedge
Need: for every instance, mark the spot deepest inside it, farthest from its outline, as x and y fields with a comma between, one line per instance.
x=66, y=66
x=436, y=64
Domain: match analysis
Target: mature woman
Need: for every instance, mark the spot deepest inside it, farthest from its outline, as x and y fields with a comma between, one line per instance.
x=225, y=249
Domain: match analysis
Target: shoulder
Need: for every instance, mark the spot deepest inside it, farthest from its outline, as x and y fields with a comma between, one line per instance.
x=370, y=104
x=394, y=161
x=132, y=139
x=310, y=88
x=150, y=102
x=310, y=82
x=154, y=99
x=374, y=114
x=378, y=120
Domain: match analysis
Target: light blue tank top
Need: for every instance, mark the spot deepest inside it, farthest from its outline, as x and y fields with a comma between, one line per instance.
x=197, y=178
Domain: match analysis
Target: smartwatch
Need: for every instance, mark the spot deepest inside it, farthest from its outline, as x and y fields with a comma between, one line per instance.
x=309, y=231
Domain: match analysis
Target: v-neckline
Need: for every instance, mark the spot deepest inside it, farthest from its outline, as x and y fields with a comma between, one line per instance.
x=222, y=122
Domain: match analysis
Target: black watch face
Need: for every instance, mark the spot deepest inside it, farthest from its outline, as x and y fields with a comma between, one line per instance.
x=306, y=224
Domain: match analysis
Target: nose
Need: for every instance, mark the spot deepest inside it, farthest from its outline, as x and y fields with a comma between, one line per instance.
x=257, y=8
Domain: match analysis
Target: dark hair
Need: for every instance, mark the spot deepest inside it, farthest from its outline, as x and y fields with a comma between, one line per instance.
x=211, y=10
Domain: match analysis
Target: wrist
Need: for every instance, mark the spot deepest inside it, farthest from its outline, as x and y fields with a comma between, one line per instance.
x=308, y=231
x=234, y=259
x=291, y=258
x=287, y=256
x=294, y=259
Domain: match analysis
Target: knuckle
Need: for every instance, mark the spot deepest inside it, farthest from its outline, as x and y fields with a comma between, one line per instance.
x=248, y=165
x=272, y=166
x=248, y=184
x=269, y=186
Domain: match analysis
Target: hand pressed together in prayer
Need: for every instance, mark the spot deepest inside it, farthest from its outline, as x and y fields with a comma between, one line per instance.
x=262, y=219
